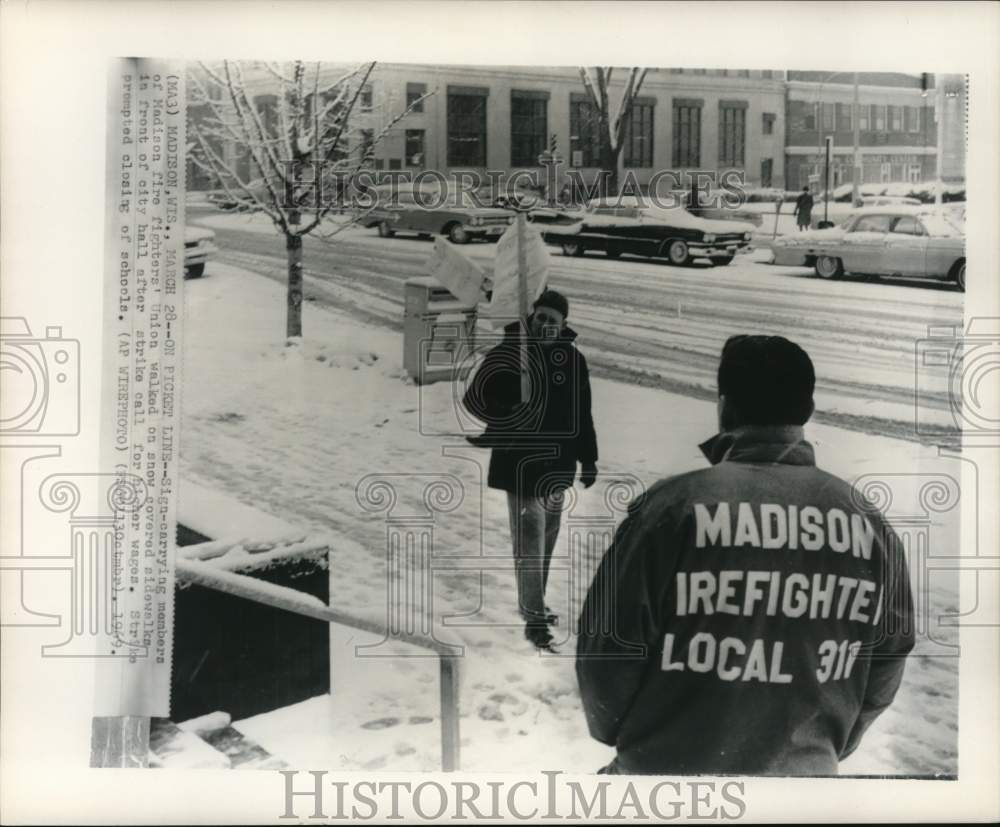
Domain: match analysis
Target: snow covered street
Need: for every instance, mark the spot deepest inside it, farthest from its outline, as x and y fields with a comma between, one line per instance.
x=293, y=429
x=652, y=324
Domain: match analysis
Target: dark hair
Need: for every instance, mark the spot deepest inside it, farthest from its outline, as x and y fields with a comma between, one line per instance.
x=553, y=299
x=767, y=379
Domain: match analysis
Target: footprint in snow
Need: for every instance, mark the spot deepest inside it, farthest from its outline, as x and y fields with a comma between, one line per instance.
x=420, y=719
x=380, y=723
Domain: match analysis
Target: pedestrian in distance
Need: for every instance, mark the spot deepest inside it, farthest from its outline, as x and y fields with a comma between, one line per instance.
x=803, y=209
x=753, y=617
x=536, y=443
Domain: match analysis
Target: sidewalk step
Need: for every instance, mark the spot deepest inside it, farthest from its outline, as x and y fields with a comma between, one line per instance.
x=208, y=742
x=173, y=748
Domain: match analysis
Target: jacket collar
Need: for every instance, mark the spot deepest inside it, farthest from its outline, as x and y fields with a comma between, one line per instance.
x=511, y=332
x=785, y=444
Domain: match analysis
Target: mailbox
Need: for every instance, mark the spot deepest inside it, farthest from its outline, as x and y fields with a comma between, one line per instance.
x=438, y=332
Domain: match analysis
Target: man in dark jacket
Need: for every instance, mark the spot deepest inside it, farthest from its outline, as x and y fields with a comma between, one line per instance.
x=536, y=443
x=803, y=209
x=754, y=617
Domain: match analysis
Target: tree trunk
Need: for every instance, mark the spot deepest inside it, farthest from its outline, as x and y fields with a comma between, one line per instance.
x=609, y=172
x=293, y=245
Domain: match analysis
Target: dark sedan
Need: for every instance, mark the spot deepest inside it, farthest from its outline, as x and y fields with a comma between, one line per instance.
x=617, y=226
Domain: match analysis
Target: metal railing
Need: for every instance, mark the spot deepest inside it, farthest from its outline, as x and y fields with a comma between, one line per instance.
x=281, y=597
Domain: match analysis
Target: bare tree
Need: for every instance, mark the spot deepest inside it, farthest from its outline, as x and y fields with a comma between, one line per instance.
x=263, y=126
x=612, y=118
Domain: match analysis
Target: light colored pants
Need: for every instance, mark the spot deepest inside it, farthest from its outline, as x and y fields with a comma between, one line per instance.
x=534, y=528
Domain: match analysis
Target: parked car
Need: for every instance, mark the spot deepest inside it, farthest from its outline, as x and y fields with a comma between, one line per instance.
x=198, y=246
x=913, y=242
x=421, y=211
x=636, y=226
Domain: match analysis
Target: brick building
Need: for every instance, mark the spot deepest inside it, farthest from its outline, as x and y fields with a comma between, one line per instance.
x=898, y=130
x=502, y=118
x=770, y=125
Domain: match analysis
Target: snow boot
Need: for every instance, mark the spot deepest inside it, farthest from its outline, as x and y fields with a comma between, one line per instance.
x=540, y=637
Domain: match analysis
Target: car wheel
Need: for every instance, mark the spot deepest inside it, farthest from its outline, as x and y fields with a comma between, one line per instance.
x=612, y=252
x=960, y=276
x=384, y=230
x=722, y=261
x=456, y=234
x=195, y=271
x=829, y=267
x=678, y=253
x=572, y=248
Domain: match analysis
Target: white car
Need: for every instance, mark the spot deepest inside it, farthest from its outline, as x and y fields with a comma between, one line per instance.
x=912, y=242
x=198, y=246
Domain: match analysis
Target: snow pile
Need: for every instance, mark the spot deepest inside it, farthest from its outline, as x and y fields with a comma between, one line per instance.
x=345, y=448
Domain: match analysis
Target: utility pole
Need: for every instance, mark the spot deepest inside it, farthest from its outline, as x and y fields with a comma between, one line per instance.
x=939, y=117
x=826, y=195
x=857, y=140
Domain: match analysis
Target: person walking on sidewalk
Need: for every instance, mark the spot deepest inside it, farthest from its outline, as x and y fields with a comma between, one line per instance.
x=754, y=617
x=537, y=443
x=803, y=210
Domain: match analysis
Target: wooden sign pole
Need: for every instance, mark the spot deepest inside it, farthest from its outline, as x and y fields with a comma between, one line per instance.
x=522, y=292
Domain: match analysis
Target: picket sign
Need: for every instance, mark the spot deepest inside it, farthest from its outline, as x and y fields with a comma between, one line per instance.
x=520, y=274
x=530, y=257
x=464, y=278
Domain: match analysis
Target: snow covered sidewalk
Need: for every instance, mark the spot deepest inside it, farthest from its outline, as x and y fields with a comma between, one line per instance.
x=294, y=429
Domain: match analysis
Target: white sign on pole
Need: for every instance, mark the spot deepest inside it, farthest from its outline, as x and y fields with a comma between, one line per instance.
x=456, y=271
x=505, y=304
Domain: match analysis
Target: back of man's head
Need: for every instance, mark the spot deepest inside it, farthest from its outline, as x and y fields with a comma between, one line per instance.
x=766, y=380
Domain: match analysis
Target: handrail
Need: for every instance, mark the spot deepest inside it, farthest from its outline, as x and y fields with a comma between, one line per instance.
x=282, y=597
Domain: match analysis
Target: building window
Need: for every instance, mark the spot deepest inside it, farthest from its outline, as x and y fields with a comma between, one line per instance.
x=639, y=135
x=395, y=163
x=742, y=73
x=677, y=71
x=267, y=109
x=732, y=132
x=767, y=74
x=584, y=129
x=844, y=123
x=467, y=126
x=414, y=147
x=895, y=119
x=828, y=120
x=810, y=122
x=878, y=116
x=414, y=92
x=863, y=112
x=378, y=163
x=767, y=126
x=687, y=133
x=699, y=71
x=766, y=172
x=528, y=127
x=366, y=148
x=912, y=119
x=366, y=98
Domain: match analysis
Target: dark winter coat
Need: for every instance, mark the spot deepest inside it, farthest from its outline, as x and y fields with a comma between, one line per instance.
x=701, y=672
x=536, y=446
x=803, y=208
